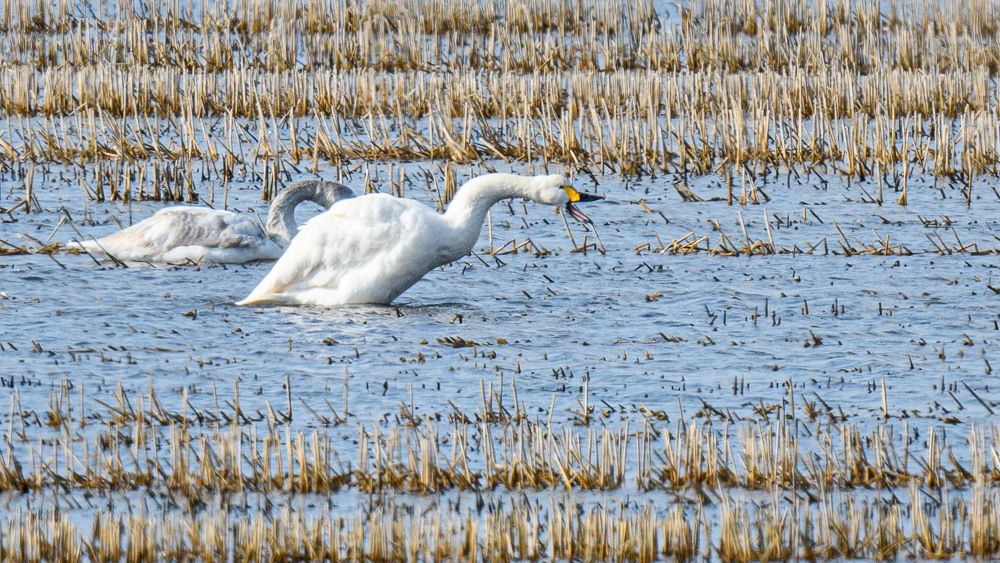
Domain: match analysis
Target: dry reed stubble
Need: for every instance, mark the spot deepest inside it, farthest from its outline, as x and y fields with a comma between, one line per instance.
x=849, y=491
x=857, y=91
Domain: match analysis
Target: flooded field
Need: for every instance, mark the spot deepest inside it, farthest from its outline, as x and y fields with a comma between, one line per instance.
x=632, y=345
x=776, y=341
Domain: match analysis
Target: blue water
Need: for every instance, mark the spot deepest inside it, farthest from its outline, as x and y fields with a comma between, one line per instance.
x=669, y=331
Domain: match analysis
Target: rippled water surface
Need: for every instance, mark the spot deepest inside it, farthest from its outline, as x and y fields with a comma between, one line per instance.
x=668, y=332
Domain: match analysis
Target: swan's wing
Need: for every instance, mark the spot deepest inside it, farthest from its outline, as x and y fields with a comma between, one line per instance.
x=173, y=227
x=344, y=254
x=177, y=234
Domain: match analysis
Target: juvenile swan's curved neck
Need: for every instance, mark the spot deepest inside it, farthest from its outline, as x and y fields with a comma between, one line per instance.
x=281, y=225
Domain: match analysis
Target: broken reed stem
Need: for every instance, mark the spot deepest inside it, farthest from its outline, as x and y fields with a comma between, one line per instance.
x=885, y=403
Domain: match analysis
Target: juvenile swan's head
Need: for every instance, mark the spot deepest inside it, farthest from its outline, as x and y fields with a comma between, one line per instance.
x=329, y=193
x=555, y=190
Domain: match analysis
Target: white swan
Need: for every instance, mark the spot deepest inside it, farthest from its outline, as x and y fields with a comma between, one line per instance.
x=179, y=234
x=372, y=248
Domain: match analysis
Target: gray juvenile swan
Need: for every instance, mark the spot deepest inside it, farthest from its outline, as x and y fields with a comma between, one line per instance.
x=372, y=248
x=199, y=234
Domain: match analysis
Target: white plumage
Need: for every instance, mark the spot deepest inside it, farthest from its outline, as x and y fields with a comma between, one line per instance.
x=180, y=234
x=372, y=248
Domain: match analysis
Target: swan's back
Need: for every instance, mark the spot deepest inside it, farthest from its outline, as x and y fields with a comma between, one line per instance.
x=178, y=234
x=364, y=250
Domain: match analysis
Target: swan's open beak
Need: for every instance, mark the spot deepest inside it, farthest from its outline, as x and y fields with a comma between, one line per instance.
x=575, y=197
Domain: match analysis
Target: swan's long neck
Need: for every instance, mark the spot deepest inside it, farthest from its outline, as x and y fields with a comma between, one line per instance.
x=281, y=225
x=467, y=211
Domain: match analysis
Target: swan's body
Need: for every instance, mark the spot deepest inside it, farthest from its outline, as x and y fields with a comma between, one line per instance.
x=180, y=234
x=372, y=248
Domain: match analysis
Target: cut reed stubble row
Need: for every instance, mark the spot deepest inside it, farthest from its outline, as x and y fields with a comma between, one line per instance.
x=354, y=94
x=761, y=489
x=517, y=35
x=643, y=122
x=502, y=529
x=327, y=17
x=136, y=444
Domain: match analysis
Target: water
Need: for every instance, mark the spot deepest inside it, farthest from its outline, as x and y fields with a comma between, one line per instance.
x=598, y=316
x=693, y=335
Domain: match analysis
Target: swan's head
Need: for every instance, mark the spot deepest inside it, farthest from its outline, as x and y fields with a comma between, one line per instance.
x=556, y=190
x=328, y=193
